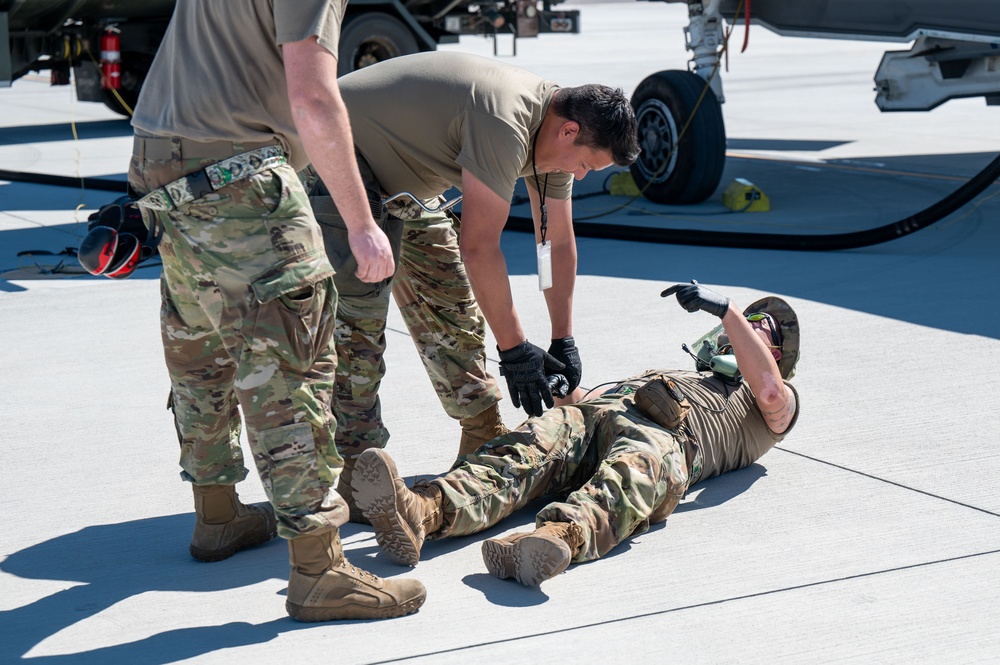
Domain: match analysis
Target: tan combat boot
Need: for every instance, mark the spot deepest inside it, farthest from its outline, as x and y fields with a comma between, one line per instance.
x=534, y=556
x=323, y=586
x=402, y=518
x=225, y=525
x=345, y=489
x=477, y=430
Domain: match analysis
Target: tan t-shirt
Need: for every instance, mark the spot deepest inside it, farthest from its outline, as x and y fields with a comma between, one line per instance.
x=724, y=420
x=420, y=119
x=219, y=74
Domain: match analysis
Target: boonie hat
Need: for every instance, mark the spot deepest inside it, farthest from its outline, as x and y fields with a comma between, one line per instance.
x=788, y=322
x=716, y=340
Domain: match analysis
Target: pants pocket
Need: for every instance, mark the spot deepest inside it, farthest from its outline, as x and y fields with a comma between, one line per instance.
x=297, y=325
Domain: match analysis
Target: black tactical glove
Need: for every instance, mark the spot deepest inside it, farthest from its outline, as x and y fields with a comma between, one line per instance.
x=565, y=351
x=525, y=367
x=558, y=384
x=694, y=296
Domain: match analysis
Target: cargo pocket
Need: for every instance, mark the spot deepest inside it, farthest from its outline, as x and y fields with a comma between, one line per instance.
x=291, y=465
x=295, y=319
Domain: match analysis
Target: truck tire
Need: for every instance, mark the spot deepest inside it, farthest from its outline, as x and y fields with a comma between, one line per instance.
x=671, y=172
x=372, y=37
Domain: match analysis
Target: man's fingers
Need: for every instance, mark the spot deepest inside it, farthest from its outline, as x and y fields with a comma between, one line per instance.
x=374, y=271
x=536, y=401
x=546, y=395
x=670, y=291
x=367, y=275
x=515, y=397
x=553, y=363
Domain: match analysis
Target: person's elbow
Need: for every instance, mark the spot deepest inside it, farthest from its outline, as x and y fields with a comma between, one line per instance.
x=776, y=405
x=772, y=395
x=477, y=251
x=308, y=105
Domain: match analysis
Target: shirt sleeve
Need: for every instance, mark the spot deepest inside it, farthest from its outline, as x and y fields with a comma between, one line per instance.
x=299, y=20
x=493, y=151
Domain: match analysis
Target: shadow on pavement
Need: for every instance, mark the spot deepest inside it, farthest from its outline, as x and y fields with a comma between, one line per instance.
x=96, y=129
x=114, y=562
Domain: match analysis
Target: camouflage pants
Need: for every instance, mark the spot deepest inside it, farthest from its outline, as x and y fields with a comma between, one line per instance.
x=617, y=470
x=247, y=318
x=432, y=290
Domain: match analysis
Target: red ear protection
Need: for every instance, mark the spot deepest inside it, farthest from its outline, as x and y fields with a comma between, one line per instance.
x=97, y=251
x=113, y=247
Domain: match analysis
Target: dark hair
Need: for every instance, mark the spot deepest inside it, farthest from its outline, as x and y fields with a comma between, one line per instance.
x=606, y=119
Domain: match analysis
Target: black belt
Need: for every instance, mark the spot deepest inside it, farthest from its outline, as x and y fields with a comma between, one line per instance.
x=213, y=178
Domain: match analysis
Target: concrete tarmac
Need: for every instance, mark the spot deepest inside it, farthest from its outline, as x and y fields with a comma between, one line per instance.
x=870, y=535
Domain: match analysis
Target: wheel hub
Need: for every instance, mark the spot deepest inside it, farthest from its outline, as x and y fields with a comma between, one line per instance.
x=658, y=136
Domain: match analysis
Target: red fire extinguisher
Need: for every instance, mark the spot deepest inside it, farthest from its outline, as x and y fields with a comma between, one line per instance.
x=111, y=60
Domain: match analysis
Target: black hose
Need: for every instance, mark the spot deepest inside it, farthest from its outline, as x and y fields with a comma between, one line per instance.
x=100, y=184
x=807, y=243
x=810, y=243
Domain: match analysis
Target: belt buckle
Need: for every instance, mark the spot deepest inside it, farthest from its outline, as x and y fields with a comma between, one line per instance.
x=199, y=184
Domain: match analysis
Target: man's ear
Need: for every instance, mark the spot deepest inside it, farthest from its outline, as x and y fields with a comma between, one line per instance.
x=570, y=129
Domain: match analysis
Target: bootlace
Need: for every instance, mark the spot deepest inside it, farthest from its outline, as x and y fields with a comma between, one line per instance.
x=354, y=571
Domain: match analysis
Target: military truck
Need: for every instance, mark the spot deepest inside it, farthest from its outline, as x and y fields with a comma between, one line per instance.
x=108, y=45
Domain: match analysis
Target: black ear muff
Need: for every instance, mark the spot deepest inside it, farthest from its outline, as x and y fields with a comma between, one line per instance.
x=98, y=249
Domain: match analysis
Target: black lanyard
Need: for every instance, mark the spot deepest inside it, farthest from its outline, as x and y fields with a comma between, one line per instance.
x=545, y=187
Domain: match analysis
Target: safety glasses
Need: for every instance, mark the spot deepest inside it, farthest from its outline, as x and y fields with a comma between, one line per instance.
x=758, y=320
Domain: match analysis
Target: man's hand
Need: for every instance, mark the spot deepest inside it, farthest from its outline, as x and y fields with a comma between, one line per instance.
x=372, y=251
x=564, y=350
x=524, y=367
x=694, y=296
x=558, y=385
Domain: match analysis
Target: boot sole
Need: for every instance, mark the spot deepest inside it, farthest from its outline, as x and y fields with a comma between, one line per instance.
x=315, y=614
x=376, y=498
x=247, y=541
x=529, y=560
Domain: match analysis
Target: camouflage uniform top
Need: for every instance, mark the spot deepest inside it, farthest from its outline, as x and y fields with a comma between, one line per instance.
x=420, y=119
x=724, y=421
x=240, y=64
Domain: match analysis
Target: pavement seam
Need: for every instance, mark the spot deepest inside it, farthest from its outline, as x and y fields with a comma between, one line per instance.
x=671, y=610
x=887, y=481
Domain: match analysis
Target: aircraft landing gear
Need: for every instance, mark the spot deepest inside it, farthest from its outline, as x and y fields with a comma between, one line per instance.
x=674, y=168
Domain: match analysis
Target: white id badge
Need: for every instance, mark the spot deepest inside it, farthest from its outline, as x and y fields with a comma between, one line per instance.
x=544, y=250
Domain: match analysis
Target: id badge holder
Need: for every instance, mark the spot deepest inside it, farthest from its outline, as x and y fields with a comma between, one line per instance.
x=544, y=251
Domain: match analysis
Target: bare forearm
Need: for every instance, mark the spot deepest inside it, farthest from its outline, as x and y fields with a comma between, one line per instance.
x=487, y=271
x=759, y=369
x=324, y=126
x=322, y=122
x=559, y=298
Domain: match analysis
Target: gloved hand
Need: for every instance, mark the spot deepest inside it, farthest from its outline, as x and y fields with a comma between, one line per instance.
x=694, y=296
x=558, y=384
x=566, y=352
x=525, y=367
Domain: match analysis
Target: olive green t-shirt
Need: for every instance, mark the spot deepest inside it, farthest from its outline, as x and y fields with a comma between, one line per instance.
x=219, y=74
x=420, y=119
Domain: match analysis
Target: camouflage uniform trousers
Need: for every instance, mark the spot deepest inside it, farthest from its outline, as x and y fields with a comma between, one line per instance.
x=432, y=291
x=247, y=319
x=618, y=472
